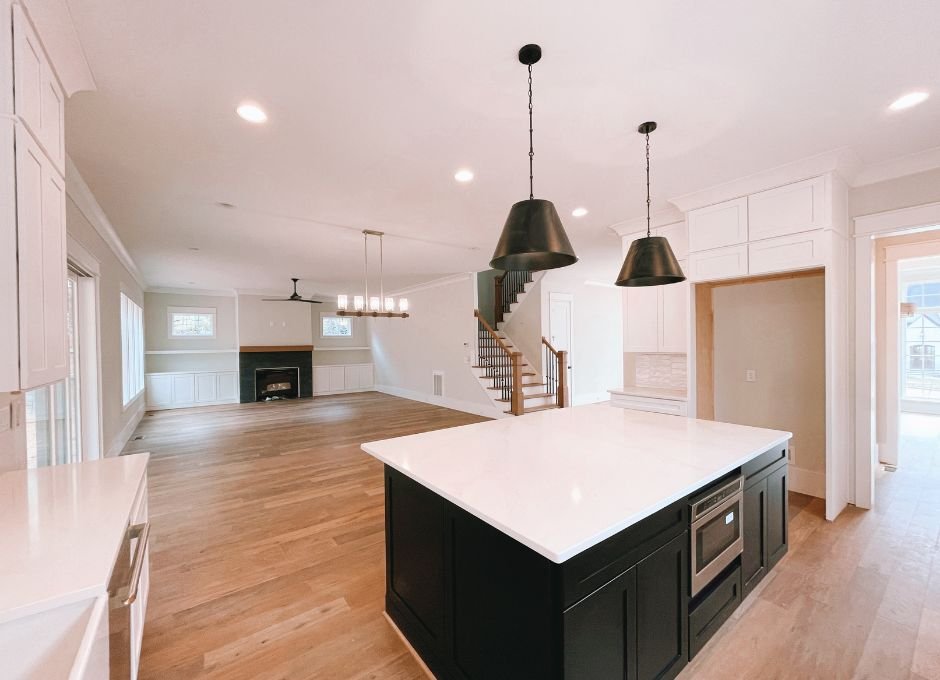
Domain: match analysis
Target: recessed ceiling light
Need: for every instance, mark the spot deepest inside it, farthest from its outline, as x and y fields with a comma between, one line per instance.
x=251, y=112
x=579, y=212
x=909, y=100
x=463, y=175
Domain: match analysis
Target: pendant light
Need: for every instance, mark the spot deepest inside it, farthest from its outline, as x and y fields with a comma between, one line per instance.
x=533, y=237
x=650, y=260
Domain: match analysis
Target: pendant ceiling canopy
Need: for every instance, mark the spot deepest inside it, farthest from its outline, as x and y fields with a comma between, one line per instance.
x=650, y=260
x=533, y=237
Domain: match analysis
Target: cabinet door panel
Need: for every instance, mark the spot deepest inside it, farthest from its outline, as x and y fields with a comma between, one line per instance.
x=678, y=236
x=753, y=566
x=788, y=209
x=28, y=61
x=351, y=377
x=777, y=516
x=321, y=379
x=600, y=633
x=715, y=226
x=159, y=390
x=337, y=378
x=206, y=387
x=366, y=380
x=641, y=319
x=184, y=388
x=227, y=386
x=662, y=611
x=674, y=330
x=722, y=263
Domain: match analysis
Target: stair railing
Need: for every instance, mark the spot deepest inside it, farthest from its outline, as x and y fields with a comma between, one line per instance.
x=556, y=373
x=500, y=364
x=505, y=290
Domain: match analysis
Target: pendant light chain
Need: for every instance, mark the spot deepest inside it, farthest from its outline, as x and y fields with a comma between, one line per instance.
x=647, y=185
x=531, y=150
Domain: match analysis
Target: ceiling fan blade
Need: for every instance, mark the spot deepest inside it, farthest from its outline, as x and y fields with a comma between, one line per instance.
x=275, y=299
x=312, y=302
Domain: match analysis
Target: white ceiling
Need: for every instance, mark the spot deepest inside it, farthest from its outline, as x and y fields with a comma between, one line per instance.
x=373, y=106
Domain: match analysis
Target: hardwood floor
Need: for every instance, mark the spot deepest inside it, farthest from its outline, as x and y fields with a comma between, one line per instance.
x=268, y=562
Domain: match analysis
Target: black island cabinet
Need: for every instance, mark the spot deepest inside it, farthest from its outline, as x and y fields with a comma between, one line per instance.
x=476, y=604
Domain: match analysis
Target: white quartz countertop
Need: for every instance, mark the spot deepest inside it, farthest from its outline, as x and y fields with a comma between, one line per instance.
x=561, y=481
x=60, y=531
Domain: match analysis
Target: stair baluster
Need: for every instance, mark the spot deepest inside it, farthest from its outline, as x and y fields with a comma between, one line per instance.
x=556, y=373
x=506, y=289
x=500, y=364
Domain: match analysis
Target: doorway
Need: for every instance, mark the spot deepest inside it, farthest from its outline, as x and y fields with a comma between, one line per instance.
x=560, y=315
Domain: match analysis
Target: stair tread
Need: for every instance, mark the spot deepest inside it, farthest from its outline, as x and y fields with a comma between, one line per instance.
x=533, y=409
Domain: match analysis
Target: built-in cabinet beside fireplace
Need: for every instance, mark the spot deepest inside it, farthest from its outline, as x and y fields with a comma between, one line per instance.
x=341, y=378
x=191, y=388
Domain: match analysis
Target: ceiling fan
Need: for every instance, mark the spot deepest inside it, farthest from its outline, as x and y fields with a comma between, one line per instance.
x=294, y=297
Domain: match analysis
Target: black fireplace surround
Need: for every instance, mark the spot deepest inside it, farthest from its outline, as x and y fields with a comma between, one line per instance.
x=249, y=361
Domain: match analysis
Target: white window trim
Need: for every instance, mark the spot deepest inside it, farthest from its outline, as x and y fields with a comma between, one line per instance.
x=170, y=311
x=352, y=327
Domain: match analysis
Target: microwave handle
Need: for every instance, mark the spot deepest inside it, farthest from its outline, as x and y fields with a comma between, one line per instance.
x=142, y=533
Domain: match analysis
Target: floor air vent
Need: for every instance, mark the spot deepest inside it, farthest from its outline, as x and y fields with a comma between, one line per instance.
x=438, y=383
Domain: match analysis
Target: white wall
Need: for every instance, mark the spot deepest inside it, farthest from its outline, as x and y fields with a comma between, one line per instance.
x=776, y=328
x=273, y=323
x=597, y=329
x=903, y=192
x=438, y=336
x=157, y=337
x=525, y=325
x=341, y=349
x=118, y=422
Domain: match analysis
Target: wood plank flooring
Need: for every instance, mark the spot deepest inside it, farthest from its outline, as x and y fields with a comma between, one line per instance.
x=268, y=557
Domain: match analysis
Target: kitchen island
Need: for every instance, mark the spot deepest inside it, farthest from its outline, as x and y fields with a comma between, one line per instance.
x=557, y=544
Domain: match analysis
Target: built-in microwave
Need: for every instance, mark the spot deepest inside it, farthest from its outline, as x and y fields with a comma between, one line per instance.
x=716, y=530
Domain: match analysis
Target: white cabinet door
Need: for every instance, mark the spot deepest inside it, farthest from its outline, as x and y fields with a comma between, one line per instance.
x=38, y=100
x=159, y=390
x=672, y=407
x=678, y=236
x=787, y=253
x=715, y=226
x=184, y=388
x=351, y=377
x=366, y=379
x=674, y=327
x=227, y=385
x=321, y=379
x=138, y=609
x=206, y=387
x=721, y=263
x=788, y=209
x=337, y=378
x=40, y=203
x=9, y=329
x=641, y=319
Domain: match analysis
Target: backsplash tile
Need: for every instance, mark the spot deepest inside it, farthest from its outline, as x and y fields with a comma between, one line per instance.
x=661, y=370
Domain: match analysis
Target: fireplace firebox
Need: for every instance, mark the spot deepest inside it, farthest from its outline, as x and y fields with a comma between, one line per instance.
x=277, y=383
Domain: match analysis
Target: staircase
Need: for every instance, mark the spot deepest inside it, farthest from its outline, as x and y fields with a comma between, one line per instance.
x=514, y=384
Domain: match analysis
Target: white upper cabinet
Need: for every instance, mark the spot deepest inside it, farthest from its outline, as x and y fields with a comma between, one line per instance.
x=641, y=319
x=715, y=226
x=720, y=263
x=789, y=209
x=41, y=245
x=678, y=236
x=9, y=290
x=38, y=101
x=787, y=253
x=674, y=317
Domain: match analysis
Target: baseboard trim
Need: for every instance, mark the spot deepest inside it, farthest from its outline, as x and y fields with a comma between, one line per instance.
x=411, y=650
x=124, y=436
x=590, y=398
x=170, y=407
x=356, y=391
x=446, y=402
x=807, y=482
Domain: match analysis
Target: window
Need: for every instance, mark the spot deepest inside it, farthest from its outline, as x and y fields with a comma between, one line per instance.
x=191, y=322
x=920, y=338
x=332, y=326
x=924, y=294
x=922, y=357
x=132, y=348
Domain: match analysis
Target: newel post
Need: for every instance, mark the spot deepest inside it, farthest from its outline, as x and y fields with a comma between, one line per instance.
x=562, y=395
x=517, y=403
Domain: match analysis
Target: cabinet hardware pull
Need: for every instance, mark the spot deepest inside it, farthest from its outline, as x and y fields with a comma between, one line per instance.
x=142, y=533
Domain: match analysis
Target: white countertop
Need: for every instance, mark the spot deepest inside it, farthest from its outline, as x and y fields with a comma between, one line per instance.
x=560, y=481
x=60, y=531
x=651, y=392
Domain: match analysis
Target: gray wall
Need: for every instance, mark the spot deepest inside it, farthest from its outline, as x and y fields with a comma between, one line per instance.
x=157, y=338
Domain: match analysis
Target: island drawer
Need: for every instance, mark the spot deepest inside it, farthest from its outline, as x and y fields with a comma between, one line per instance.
x=713, y=608
x=586, y=572
x=762, y=464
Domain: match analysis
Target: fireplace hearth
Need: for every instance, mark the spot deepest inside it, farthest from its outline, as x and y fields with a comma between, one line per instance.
x=277, y=383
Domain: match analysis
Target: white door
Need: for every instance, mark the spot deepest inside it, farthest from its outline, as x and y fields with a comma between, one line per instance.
x=560, y=313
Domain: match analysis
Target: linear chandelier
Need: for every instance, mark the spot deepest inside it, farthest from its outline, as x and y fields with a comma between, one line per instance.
x=378, y=306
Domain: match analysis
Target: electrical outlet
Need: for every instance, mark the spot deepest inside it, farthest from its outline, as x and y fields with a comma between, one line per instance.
x=750, y=375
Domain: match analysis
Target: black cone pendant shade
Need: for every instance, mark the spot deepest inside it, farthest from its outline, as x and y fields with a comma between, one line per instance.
x=650, y=260
x=533, y=237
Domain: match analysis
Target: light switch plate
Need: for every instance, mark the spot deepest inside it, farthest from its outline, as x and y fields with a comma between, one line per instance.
x=750, y=375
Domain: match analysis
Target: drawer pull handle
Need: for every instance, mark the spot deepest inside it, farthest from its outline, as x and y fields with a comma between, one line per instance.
x=142, y=533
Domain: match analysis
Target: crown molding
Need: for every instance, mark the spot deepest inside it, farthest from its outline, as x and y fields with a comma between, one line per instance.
x=85, y=201
x=208, y=292
x=435, y=283
x=843, y=162
x=660, y=218
x=922, y=161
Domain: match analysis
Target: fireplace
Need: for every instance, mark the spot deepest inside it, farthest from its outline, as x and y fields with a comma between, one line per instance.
x=277, y=383
x=264, y=372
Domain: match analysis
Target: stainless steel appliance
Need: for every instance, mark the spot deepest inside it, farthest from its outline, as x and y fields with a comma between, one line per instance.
x=123, y=589
x=716, y=530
